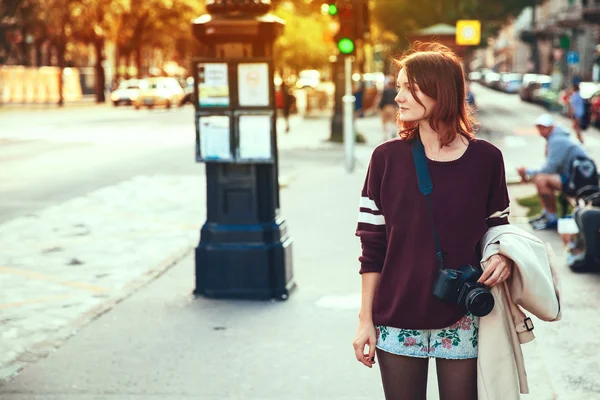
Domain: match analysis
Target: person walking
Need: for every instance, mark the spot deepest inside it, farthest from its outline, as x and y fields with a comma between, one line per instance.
x=389, y=109
x=405, y=235
x=359, y=98
x=577, y=111
x=287, y=102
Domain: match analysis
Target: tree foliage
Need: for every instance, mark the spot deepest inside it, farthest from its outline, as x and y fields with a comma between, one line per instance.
x=304, y=44
x=402, y=17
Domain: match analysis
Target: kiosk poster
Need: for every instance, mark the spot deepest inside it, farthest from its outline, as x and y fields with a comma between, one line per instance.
x=253, y=84
x=214, y=137
x=255, y=137
x=213, y=85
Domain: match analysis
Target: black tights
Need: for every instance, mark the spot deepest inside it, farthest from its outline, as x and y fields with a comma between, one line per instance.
x=405, y=378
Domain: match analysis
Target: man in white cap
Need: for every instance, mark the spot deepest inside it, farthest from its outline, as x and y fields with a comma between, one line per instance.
x=554, y=174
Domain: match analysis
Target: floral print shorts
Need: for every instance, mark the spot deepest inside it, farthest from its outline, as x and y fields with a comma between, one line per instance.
x=458, y=341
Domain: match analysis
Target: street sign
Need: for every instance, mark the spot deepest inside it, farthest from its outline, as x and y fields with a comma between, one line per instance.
x=573, y=57
x=468, y=32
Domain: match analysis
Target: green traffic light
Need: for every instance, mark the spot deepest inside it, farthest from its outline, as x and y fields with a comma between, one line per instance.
x=346, y=46
x=332, y=9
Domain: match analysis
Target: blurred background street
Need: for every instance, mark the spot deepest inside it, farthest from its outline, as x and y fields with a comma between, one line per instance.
x=111, y=201
x=68, y=174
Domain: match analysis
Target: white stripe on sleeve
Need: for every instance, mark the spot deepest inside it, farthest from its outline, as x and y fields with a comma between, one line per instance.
x=371, y=219
x=366, y=202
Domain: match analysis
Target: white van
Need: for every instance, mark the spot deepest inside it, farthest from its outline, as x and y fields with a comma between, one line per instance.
x=308, y=78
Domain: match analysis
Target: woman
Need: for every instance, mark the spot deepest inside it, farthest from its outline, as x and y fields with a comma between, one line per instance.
x=399, y=314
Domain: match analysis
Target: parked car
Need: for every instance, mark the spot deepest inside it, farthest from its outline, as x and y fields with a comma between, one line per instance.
x=511, y=83
x=531, y=83
x=126, y=93
x=159, y=92
x=475, y=76
x=491, y=79
x=525, y=90
x=308, y=78
x=548, y=98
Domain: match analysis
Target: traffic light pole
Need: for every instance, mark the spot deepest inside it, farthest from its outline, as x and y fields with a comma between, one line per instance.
x=337, y=119
x=348, y=99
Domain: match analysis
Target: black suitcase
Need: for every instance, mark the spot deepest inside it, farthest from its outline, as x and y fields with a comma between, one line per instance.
x=588, y=222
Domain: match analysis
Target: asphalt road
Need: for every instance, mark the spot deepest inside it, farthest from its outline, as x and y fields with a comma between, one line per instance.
x=50, y=156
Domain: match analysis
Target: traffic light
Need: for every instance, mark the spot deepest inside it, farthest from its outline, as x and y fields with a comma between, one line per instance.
x=347, y=35
x=332, y=9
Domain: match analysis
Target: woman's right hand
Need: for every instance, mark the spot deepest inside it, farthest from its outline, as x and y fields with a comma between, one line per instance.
x=366, y=335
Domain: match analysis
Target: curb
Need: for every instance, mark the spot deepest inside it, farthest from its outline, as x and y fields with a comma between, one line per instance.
x=42, y=349
x=26, y=108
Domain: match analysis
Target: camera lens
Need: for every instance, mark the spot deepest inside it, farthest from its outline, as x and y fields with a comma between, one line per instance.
x=479, y=302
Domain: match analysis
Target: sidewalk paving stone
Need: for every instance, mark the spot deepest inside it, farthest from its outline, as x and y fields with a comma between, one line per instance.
x=65, y=261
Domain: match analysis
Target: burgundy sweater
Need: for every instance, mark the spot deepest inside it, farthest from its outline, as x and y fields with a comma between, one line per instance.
x=469, y=195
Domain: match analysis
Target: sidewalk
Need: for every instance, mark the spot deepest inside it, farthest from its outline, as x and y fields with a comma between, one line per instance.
x=162, y=343
x=64, y=265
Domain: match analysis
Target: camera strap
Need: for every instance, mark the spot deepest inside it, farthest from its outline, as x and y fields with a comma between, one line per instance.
x=426, y=186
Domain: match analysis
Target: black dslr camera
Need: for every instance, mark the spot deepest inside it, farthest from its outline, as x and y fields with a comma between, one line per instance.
x=461, y=286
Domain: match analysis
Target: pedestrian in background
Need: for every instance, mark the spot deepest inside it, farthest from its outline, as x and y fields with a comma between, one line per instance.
x=389, y=109
x=399, y=315
x=577, y=111
x=552, y=177
x=359, y=97
x=287, y=99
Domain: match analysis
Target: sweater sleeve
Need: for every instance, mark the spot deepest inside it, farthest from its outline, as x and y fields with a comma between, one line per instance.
x=498, y=205
x=371, y=223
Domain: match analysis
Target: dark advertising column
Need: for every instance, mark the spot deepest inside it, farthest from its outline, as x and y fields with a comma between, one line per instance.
x=245, y=247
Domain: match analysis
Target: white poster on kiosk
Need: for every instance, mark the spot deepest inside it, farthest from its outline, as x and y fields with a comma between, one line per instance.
x=253, y=84
x=213, y=85
x=255, y=137
x=214, y=137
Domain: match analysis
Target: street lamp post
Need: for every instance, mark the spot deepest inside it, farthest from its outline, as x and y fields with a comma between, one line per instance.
x=535, y=57
x=245, y=247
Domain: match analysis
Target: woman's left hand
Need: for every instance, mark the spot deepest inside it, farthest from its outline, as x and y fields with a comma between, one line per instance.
x=497, y=270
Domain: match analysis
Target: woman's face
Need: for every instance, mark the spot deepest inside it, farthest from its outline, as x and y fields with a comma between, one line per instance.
x=410, y=110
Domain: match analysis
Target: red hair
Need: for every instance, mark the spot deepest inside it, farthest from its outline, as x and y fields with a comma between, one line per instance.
x=439, y=74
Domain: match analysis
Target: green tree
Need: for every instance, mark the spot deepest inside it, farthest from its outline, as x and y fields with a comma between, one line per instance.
x=304, y=43
x=19, y=28
x=161, y=24
x=57, y=18
x=92, y=21
x=402, y=17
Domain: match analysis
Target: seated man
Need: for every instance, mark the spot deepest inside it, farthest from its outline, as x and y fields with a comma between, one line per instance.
x=561, y=151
